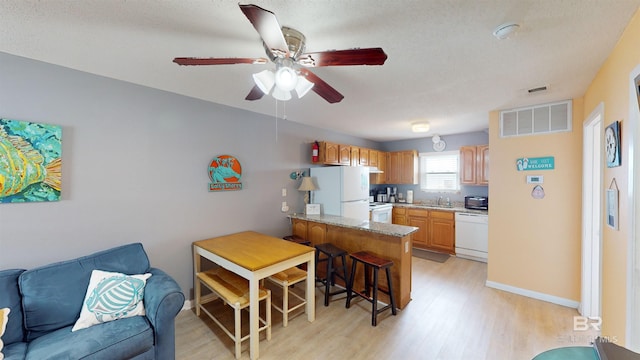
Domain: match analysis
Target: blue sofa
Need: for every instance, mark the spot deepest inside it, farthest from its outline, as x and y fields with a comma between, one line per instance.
x=45, y=303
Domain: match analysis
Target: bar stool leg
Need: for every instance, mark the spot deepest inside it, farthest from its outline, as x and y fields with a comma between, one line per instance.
x=350, y=284
x=330, y=279
x=393, y=301
x=374, y=314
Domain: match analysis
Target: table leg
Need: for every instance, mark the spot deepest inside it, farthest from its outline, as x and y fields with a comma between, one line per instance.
x=254, y=313
x=196, y=269
x=310, y=295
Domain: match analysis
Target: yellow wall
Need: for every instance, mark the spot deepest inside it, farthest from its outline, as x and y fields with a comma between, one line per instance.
x=535, y=244
x=611, y=87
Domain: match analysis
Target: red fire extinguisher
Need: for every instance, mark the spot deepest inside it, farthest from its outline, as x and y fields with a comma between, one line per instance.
x=315, y=148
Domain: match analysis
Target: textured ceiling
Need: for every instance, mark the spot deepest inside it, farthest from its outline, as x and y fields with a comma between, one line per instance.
x=444, y=66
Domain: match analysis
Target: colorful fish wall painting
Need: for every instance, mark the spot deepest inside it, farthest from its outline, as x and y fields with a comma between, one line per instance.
x=30, y=161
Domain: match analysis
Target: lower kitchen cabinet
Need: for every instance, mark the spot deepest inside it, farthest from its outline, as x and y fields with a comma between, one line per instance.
x=420, y=219
x=442, y=231
x=399, y=216
x=436, y=229
x=312, y=231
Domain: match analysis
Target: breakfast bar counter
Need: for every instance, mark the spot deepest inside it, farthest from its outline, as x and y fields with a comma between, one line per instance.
x=387, y=241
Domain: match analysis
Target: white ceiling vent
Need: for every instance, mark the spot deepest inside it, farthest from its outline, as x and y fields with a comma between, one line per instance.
x=536, y=120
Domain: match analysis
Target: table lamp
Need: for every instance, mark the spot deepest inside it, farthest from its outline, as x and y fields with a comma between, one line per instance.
x=307, y=186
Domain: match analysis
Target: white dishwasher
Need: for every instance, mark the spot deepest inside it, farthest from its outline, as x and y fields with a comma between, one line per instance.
x=472, y=236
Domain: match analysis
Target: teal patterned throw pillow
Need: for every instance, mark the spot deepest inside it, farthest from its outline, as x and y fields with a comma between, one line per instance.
x=111, y=296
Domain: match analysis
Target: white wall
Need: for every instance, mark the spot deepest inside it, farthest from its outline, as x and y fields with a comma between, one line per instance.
x=135, y=169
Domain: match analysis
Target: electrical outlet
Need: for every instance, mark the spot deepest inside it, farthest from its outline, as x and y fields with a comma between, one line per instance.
x=285, y=207
x=406, y=246
x=284, y=192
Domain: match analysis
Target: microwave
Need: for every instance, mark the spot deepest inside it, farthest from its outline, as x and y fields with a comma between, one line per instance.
x=476, y=202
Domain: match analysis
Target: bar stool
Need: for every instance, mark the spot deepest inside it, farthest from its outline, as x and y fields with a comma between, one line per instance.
x=371, y=261
x=330, y=252
x=297, y=239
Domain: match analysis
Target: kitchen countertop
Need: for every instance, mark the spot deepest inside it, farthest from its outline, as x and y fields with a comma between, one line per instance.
x=441, y=208
x=370, y=226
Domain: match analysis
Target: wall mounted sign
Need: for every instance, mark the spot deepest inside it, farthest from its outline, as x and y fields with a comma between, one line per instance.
x=30, y=161
x=225, y=173
x=539, y=163
x=612, y=144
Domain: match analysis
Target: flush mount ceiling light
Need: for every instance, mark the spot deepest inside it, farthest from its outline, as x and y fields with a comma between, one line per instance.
x=505, y=30
x=420, y=127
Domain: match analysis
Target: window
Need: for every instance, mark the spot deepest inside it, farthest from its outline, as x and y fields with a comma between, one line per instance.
x=439, y=171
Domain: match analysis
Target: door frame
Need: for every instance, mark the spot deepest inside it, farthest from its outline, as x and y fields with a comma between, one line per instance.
x=632, y=340
x=591, y=289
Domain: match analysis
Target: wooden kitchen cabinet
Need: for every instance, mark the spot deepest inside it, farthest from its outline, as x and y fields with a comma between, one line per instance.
x=420, y=219
x=474, y=165
x=402, y=167
x=442, y=231
x=334, y=154
x=399, y=215
x=379, y=178
x=364, y=157
x=355, y=156
x=312, y=231
x=373, y=158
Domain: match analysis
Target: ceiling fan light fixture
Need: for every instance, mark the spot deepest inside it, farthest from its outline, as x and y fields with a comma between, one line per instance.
x=303, y=86
x=282, y=95
x=420, y=127
x=264, y=80
x=286, y=78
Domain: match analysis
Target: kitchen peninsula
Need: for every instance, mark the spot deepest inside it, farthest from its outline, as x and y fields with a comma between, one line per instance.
x=388, y=241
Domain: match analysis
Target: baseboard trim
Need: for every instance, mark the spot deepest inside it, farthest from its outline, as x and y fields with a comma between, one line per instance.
x=533, y=294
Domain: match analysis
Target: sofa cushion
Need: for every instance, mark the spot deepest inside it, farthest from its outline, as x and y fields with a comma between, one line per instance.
x=15, y=351
x=111, y=296
x=120, y=339
x=10, y=297
x=65, y=283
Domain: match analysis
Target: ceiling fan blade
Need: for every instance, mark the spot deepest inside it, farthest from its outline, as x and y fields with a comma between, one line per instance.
x=255, y=94
x=370, y=56
x=218, y=61
x=266, y=24
x=322, y=88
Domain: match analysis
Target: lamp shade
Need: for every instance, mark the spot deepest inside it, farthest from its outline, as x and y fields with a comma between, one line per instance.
x=303, y=86
x=307, y=184
x=264, y=80
x=282, y=95
x=286, y=78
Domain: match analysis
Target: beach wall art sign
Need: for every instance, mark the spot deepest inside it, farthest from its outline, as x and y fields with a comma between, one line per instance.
x=225, y=172
x=30, y=161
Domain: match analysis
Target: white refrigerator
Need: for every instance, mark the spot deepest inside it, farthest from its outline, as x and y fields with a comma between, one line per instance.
x=342, y=191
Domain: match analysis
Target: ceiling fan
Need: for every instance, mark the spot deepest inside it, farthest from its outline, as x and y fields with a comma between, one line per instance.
x=285, y=47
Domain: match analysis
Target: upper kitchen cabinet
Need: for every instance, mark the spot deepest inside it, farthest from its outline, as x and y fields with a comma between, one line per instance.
x=364, y=157
x=474, y=165
x=334, y=154
x=380, y=163
x=373, y=158
x=355, y=156
x=402, y=167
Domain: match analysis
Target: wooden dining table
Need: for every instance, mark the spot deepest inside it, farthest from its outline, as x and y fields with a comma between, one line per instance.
x=255, y=256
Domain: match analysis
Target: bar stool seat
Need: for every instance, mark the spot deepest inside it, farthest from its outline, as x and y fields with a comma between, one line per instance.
x=328, y=253
x=297, y=239
x=371, y=262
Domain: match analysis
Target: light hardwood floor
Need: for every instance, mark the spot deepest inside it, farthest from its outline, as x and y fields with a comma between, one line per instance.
x=452, y=315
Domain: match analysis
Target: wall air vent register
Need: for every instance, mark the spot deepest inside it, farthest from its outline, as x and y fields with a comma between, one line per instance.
x=536, y=120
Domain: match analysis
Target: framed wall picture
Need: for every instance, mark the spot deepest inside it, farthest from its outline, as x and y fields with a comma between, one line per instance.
x=612, y=144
